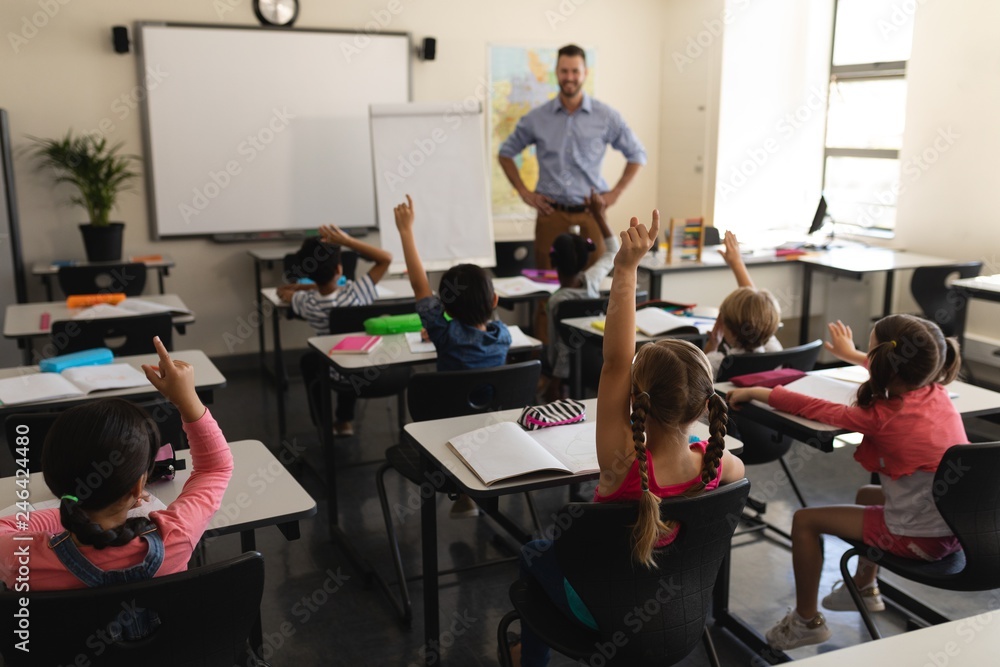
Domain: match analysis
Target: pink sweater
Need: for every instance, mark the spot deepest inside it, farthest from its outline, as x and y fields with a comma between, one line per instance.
x=902, y=436
x=180, y=525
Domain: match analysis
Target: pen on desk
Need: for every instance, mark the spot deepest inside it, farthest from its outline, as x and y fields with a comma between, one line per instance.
x=44, y=321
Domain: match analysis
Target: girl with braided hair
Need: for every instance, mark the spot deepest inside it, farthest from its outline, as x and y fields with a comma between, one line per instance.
x=97, y=458
x=645, y=410
x=908, y=422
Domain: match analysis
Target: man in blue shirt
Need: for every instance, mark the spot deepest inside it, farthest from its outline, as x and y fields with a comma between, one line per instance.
x=571, y=133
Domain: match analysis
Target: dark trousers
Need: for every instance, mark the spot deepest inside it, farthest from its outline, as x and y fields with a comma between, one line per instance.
x=312, y=364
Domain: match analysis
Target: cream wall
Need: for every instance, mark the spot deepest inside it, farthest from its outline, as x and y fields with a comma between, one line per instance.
x=950, y=166
x=65, y=74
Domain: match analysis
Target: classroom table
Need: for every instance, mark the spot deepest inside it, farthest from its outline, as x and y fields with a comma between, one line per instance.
x=855, y=263
x=25, y=321
x=247, y=504
x=431, y=440
x=393, y=351
x=265, y=258
x=207, y=379
x=655, y=266
x=46, y=270
x=387, y=291
x=968, y=642
x=970, y=401
x=985, y=288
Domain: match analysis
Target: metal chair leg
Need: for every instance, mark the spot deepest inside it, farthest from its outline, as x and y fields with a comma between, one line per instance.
x=713, y=657
x=791, y=480
x=856, y=594
x=534, y=512
x=403, y=606
x=503, y=646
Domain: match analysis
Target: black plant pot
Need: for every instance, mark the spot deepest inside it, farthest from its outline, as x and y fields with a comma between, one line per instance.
x=103, y=244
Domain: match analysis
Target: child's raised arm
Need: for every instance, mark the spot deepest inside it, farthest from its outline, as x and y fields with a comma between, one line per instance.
x=414, y=267
x=382, y=258
x=731, y=253
x=175, y=380
x=614, y=390
x=841, y=344
x=595, y=202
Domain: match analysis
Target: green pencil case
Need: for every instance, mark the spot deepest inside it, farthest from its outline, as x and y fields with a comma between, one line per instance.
x=393, y=324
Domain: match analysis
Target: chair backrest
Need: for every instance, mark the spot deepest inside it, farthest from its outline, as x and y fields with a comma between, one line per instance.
x=594, y=552
x=94, y=279
x=569, y=308
x=444, y=394
x=137, y=330
x=940, y=302
x=968, y=497
x=37, y=425
x=800, y=357
x=512, y=256
x=352, y=318
x=206, y=614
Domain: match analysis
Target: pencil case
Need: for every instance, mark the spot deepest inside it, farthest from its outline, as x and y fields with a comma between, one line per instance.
x=94, y=357
x=771, y=379
x=557, y=413
x=84, y=300
x=393, y=324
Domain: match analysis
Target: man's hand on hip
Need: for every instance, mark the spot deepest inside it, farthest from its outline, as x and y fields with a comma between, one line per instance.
x=541, y=203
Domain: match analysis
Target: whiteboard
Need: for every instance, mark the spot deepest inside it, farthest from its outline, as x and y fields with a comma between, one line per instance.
x=252, y=130
x=436, y=153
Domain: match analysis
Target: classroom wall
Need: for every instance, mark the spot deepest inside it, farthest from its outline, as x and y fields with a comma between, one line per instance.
x=948, y=205
x=59, y=71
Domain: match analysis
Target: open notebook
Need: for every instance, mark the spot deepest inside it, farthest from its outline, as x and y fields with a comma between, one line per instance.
x=79, y=381
x=126, y=308
x=502, y=451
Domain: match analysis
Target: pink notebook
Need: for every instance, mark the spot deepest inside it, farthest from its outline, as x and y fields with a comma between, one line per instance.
x=356, y=345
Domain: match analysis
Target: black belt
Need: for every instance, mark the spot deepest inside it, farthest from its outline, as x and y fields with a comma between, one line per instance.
x=568, y=208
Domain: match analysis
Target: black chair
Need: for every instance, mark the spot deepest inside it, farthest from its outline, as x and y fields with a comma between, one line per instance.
x=940, y=302
x=595, y=555
x=763, y=444
x=967, y=495
x=585, y=360
x=163, y=413
x=512, y=257
x=136, y=330
x=440, y=395
x=205, y=613
x=97, y=278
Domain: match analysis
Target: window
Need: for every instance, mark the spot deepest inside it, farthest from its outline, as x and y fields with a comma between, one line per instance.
x=866, y=111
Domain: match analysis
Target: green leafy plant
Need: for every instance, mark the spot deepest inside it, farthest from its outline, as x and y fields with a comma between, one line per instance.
x=99, y=170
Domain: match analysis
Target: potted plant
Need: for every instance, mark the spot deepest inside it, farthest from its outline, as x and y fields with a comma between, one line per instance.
x=100, y=172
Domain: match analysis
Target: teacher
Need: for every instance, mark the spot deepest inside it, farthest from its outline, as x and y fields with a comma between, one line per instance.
x=571, y=133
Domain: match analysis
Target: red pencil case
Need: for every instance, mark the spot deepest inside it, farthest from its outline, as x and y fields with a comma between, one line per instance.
x=773, y=378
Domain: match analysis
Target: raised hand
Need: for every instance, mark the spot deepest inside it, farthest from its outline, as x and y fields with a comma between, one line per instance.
x=404, y=215
x=175, y=380
x=597, y=203
x=334, y=235
x=636, y=241
x=841, y=343
x=731, y=250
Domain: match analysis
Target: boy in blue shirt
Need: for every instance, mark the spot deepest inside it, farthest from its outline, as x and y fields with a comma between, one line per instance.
x=472, y=339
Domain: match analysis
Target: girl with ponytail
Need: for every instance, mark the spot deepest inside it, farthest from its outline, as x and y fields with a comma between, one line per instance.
x=96, y=459
x=908, y=422
x=645, y=409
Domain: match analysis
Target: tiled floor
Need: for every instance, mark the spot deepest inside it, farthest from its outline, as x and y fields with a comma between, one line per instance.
x=318, y=611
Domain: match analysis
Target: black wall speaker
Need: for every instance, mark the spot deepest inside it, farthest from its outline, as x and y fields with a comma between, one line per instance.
x=427, y=50
x=119, y=36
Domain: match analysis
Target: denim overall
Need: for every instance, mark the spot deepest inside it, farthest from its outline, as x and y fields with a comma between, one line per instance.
x=132, y=622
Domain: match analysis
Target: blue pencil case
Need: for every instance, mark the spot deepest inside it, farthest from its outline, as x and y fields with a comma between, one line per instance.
x=94, y=357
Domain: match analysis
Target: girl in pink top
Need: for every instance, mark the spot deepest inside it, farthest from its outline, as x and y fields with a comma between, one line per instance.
x=908, y=422
x=645, y=409
x=89, y=540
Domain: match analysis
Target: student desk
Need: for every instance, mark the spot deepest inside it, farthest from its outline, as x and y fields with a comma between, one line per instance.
x=654, y=266
x=388, y=291
x=985, y=288
x=46, y=270
x=969, y=642
x=265, y=258
x=855, y=263
x=393, y=351
x=207, y=379
x=24, y=320
x=431, y=440
x=252, y=500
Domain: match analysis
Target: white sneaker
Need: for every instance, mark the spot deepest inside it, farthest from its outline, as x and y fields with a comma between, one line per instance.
x=840, y=598
x=463, y=508
x=791, y=632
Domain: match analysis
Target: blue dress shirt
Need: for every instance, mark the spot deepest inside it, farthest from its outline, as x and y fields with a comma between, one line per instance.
x=570, y=147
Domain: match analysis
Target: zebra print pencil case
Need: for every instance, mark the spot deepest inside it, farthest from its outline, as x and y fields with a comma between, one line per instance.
x=556, y=413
